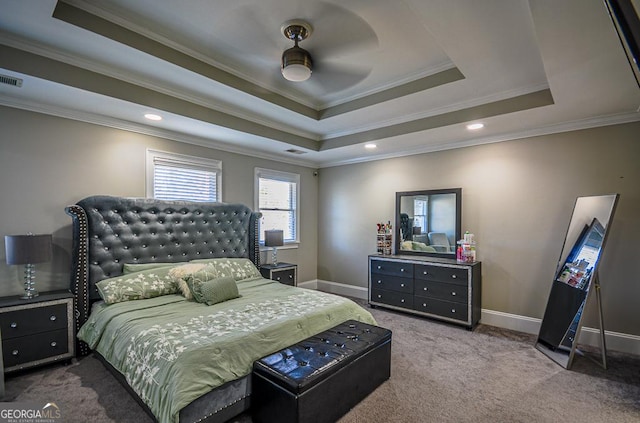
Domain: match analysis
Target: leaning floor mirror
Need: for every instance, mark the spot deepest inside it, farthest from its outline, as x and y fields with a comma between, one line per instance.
x=575, y=280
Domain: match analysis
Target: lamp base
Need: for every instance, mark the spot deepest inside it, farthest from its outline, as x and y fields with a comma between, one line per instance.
x=29, y=282
x=274, y=256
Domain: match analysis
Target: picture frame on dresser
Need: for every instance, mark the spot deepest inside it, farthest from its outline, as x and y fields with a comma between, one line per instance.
x=437, y=288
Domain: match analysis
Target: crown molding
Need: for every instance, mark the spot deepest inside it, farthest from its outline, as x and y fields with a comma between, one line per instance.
x=124, y=125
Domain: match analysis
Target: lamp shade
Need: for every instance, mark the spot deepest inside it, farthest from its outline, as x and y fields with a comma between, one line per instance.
x=417, y=230
x=28, y=249
x=273, y=238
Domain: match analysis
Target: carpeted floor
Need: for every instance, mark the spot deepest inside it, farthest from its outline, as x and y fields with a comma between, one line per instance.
x=439, y=373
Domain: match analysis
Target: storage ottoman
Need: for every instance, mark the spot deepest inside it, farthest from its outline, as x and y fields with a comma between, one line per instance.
x=324, y=376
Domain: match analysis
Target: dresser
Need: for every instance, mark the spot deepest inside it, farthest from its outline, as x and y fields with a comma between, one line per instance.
x=438, y=288
x=285, y=273
x=36, y=331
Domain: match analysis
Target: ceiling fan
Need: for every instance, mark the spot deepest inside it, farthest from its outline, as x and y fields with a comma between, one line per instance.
x=336, y=43
x=297, y=64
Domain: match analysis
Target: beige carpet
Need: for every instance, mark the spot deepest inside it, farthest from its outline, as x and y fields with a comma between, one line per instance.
x=439, y=373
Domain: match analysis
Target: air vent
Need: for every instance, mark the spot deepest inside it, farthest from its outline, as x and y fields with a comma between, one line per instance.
x=294, y=151
x=10, y=80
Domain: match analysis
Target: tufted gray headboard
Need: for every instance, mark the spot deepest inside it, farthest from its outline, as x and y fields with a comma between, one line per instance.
x=110, y=231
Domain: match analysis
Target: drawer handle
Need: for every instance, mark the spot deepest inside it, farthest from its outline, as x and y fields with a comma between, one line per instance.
x=402, y=270
x=424, y=305
x=453, y=276
x=425, y=273
x=54, y=344
x=379, y=267
x=453, y=293
x=402, y=300
x=379, y=281
x=401, y=285
x=453, y=310
x=278, y=278
x=13, y=325
x=14, y=352
x=53, y=318
x=379, y=296
x=290, y=276
x=425, y=289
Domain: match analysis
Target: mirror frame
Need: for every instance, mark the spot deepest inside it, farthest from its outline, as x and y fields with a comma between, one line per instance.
x=458, y=230
x=578, y=228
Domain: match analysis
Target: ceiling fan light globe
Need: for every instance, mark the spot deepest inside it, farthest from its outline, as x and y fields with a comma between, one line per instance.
x=296, y=73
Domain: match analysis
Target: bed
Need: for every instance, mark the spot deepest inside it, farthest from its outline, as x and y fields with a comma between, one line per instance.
x=182, y=360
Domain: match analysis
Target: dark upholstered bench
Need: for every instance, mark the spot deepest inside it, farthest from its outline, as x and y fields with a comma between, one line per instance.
x=321, y=378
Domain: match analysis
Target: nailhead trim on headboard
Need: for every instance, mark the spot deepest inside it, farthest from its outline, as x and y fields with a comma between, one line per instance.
x=110, y=231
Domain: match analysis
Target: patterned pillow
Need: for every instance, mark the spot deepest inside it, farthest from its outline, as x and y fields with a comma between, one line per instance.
x=237, y=268
x=217, y=290
x=137, y=286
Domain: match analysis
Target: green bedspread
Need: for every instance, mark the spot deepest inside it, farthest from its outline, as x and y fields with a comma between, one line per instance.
x=172, y=351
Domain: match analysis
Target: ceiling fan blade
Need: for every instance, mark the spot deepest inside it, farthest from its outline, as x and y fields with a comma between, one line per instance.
x=337, y=77
x=339, y=32
x=250, y=31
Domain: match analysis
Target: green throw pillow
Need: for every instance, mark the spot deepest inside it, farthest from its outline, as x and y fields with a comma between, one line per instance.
x=139, y=267
x=137, y=286
x=217, y=290
x=237, y=268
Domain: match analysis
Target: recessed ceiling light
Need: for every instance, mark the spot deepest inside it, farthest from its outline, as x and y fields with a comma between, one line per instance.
x=370, y=146
x=474, y=126
x=152, y=116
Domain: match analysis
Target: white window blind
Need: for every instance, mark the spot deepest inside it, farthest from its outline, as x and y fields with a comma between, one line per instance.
x=278, y=201
x=177, y=177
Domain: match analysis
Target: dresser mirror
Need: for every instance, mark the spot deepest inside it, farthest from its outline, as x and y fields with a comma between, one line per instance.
x=576, y=277
x=428, y=222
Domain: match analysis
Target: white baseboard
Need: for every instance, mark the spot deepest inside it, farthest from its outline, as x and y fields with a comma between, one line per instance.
x=616, y=341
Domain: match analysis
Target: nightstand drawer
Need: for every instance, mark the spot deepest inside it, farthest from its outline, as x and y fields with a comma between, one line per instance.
x=391, y=283
x=442, y=274
x=286, y=277
x=30, y=321
x=442, y=291
x=441, y=308
x=25, y=349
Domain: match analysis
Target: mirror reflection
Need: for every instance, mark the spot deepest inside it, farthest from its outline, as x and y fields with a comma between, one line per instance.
x=428, y=222
x=575, y=274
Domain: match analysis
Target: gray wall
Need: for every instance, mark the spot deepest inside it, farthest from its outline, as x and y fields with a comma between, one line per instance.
x=47, y=163
x=517, y=197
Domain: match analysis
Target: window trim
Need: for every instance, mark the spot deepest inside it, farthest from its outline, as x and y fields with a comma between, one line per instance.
x=184, y=160
x=281, y=176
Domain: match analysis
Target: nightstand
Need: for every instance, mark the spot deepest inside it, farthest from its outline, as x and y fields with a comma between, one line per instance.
x=285, y=273
x=36, y=331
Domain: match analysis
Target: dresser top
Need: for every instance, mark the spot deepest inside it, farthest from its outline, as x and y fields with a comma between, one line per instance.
x=420, y=259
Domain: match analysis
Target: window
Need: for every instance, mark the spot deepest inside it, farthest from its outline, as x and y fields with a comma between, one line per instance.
x=420, y=214
x=173, y=176
x=277, y=198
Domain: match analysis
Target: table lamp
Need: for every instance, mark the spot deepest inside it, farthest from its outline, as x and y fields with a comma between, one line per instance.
x=274, y=238
x=28, y=249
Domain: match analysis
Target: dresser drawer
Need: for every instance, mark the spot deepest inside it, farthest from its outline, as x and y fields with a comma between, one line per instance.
x=398, y=299
x=29, y=348
x=443, y=308
x=30, y=321
x=395, y=268
x=442, y=291
x=442, y=274
x=391, y=283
